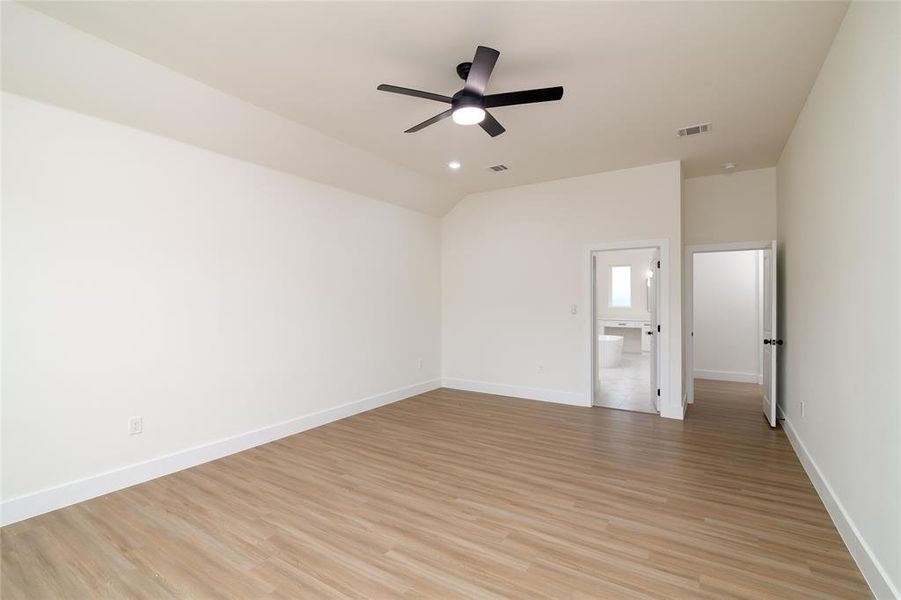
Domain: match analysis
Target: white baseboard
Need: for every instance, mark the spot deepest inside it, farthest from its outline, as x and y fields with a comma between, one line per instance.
x=740, y=376
x=527, y=393
x=43, y=501
x=872, y=570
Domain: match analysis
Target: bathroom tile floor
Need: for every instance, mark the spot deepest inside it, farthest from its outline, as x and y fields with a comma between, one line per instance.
x=628, y=386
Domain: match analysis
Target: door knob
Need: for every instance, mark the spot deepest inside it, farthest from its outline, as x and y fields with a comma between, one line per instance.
x=649, y=332
x=767, y=341
x=775, y=342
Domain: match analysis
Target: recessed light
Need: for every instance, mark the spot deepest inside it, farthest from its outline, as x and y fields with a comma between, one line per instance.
x=454, y=164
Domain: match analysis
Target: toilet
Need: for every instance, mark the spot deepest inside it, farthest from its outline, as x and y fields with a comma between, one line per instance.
x=610, y=350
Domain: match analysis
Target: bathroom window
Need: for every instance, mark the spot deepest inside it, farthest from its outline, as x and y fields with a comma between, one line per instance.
x=621, y=287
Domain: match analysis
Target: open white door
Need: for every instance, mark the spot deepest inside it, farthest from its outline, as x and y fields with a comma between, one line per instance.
x=653, y=279
x=770, y=341
x=593, y=353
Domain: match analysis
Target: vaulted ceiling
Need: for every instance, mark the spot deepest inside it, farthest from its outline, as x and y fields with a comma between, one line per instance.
x=633, y=73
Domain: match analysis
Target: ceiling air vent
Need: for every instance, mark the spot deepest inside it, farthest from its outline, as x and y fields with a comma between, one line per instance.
x=499, y=168
x=693, y=129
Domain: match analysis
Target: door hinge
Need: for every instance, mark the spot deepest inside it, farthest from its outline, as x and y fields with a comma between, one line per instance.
x=658, y=329
x=658, y=264
x=658, y=391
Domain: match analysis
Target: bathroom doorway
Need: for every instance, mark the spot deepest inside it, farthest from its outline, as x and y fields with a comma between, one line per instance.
x=730, y=314
x=626, y=328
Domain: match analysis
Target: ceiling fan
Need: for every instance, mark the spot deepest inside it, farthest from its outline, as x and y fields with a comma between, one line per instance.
x=469, y=104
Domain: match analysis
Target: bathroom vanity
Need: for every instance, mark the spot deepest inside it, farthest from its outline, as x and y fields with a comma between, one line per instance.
x=634, y=331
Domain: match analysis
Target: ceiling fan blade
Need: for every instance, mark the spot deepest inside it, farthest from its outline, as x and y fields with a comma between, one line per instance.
x=524, y=97
x=480, y=71
x=432, y=121
x=491, y=126
x=416, y=93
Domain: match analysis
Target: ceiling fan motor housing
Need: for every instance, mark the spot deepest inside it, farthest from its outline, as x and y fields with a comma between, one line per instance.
x=463, y=70
x=462, y=99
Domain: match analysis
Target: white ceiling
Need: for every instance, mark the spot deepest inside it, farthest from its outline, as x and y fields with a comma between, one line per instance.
x=633, y=74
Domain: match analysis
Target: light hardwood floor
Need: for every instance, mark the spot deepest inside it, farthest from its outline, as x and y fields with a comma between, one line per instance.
x=456, y=494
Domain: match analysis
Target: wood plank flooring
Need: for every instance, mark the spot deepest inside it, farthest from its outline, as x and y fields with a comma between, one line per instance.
x=460, y=495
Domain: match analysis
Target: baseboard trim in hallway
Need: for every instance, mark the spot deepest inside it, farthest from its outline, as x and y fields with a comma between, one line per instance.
x=517, y=391
x=738, y=376
x=870, y=567
x=50, y=499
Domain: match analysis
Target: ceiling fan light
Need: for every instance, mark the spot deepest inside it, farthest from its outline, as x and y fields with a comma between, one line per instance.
x=468, y=115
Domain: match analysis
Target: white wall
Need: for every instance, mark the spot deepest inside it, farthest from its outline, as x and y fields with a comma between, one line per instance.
x=213, y=297
x=840, y=271
x=50, y=61
x=726, y=306
x=515, y=260
x=738, y=207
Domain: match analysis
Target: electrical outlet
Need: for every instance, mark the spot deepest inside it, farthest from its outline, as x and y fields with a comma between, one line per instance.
x=541, y=368
x=574, y=309
x=135, y=425
x=420, y=364
x=803, y=408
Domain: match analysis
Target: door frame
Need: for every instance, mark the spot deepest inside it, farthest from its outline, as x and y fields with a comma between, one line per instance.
x=688, y=350
x=663, y=316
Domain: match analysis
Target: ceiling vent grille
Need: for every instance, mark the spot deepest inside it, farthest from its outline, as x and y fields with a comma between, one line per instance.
x=497, y=168
x=693, y=129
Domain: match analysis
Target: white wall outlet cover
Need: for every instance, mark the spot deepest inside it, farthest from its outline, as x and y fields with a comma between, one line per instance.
x=135, y=425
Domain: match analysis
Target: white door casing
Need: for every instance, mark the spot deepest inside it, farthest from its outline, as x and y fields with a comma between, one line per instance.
x=654, y=271
x=670, y=397
x=768, y=297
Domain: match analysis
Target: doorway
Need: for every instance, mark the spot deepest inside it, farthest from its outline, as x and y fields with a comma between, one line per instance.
x=730, y=313
x=626, y=327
